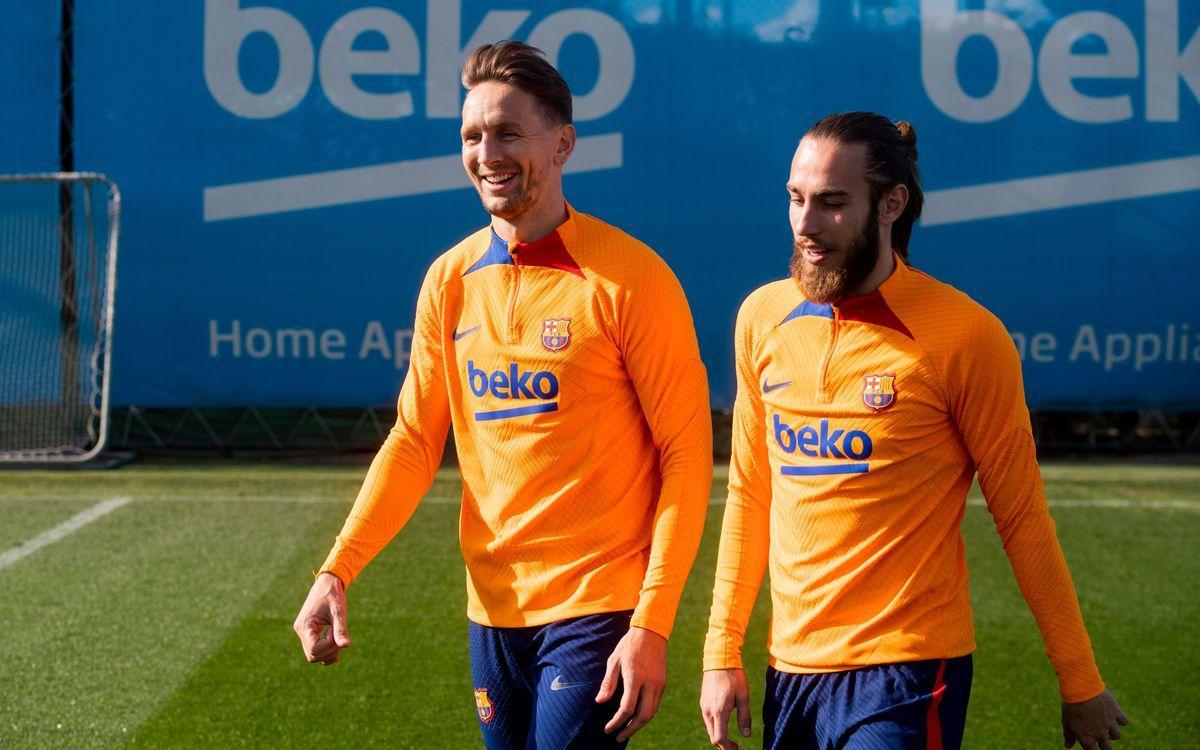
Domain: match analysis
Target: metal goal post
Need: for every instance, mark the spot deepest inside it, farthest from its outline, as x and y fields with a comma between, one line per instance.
x=58, y=275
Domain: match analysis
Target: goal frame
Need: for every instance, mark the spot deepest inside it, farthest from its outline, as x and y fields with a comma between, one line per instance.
x=104, y=339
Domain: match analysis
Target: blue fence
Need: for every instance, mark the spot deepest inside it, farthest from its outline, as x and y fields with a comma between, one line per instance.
x=290, y=169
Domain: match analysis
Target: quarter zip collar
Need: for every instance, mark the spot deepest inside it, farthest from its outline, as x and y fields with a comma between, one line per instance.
x=550, y=251
x=860, y=307
x=869, y=308
x=564, y=232
x=873, y=307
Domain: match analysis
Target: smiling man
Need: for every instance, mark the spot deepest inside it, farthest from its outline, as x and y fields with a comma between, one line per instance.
x=562, y=352
x=869, y=395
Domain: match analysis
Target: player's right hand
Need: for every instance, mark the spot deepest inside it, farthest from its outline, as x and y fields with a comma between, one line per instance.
x=321, y=624
x=721, y=691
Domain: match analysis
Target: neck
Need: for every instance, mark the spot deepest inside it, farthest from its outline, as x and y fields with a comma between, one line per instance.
x=534, y=224
x=885, y=264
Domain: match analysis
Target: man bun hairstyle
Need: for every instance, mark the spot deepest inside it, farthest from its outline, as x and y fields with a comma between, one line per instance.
x=517, y=64
x=891, y=161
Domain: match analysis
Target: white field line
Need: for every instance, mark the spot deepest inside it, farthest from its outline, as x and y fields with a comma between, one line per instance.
x=1113, y=503
x=69, y=526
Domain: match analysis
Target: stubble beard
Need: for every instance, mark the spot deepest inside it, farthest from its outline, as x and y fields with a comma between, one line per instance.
x=513, y=206
x=827, y=285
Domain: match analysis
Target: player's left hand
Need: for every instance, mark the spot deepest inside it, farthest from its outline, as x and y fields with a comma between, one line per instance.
x=1093, y=723
x=639, y=665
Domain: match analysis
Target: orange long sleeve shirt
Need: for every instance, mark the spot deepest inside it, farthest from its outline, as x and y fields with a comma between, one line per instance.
x=570, y=372
x=857, y=430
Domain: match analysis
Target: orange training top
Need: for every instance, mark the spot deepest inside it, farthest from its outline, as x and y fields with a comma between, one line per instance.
x=570, y=371
x=857, y=430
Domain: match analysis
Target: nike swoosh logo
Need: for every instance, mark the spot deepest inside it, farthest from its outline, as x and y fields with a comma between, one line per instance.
x=558, y=684
x=775, y=386
x=459, y=334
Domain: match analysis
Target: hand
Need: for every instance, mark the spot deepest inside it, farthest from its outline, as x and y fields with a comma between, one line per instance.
x=324, y=607
x=721, y=691
x=1093, y=723
x=639, y=663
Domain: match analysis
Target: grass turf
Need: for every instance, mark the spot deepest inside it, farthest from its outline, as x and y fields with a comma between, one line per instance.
x=167, y=623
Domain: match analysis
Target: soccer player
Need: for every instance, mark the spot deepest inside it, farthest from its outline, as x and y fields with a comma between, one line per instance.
x=868, y=396
x=563, y=353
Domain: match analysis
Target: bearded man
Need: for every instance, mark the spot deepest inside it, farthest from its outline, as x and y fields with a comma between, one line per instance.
x=869, y=395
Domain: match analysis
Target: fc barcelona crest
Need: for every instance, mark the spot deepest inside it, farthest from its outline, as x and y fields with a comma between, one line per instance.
x=483, y=706
x=879, y=391
x=556, y=333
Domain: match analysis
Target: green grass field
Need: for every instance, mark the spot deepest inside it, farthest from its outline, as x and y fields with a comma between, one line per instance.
x=167, y=621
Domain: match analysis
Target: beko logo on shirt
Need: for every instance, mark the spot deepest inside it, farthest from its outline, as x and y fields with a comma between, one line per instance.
x=513, y=383
x=823, y=441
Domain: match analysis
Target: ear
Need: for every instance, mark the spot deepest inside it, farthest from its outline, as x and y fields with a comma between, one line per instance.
x=565, y=144
x=892, y=205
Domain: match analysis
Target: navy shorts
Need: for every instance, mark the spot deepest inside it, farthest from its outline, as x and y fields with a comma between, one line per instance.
x=920, y=705
x=536, y=687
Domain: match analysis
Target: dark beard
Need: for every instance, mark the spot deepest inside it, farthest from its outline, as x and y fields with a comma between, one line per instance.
x=829, y=285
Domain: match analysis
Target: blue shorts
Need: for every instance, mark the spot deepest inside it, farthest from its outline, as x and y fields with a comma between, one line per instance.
x=920, y=705
x=536, y=687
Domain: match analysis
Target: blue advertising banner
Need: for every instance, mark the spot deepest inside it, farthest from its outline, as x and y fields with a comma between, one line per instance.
x=29, y=83
x=290, y=169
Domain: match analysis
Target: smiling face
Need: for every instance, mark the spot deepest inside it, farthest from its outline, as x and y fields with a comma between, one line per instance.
x=513, y=150
x=835, y=222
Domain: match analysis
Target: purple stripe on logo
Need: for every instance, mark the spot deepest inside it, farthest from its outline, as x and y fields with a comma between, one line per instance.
x=520, y=411
x=808, y=471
